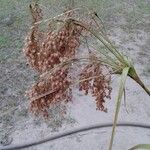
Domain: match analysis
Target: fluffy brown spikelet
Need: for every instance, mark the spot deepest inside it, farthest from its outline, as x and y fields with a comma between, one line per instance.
x=45, y=50
x=98, y=83
x=60, y=45
x=54, y=89
x=34, y=39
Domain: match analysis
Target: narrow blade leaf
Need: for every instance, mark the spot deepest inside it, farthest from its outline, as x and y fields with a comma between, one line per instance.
x=141, y=146
x=118, y=103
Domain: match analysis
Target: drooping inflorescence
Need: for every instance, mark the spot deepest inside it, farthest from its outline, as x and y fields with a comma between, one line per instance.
x=44, y=51
x=95, y=81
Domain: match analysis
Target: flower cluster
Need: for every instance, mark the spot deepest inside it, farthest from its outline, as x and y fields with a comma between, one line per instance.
x=59, y=45
x=46, y=50
x=49, y=91
x=95, y=80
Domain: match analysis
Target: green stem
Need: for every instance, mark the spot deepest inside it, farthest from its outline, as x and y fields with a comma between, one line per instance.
x=101, y=38
x=132, y=73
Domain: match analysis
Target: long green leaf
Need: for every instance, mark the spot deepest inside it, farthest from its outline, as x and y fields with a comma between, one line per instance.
x=141, y=146
x=118, y=103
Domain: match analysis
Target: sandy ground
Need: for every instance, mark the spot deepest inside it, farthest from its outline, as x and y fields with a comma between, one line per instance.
x=18, y=126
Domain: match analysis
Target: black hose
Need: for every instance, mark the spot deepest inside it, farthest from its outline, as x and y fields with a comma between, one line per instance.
x=67, y=133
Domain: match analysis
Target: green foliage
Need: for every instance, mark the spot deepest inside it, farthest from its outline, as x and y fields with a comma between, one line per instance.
x=141, y=147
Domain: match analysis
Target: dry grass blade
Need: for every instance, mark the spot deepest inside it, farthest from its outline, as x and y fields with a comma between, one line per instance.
x=118, y=103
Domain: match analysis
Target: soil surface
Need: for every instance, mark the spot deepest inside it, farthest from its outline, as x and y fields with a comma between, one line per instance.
x=128, y=26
